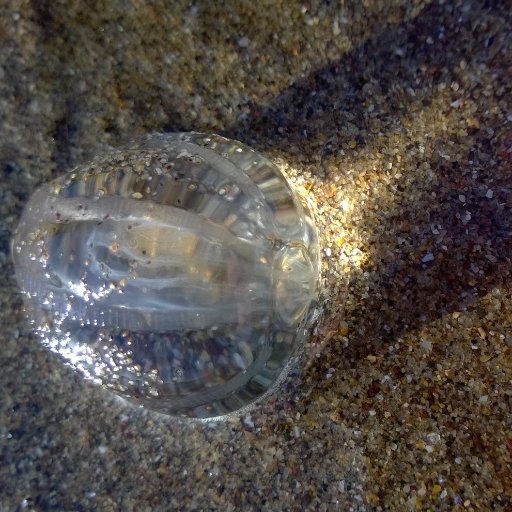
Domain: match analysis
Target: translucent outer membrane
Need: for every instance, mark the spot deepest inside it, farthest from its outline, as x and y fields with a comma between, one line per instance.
x=179, y=272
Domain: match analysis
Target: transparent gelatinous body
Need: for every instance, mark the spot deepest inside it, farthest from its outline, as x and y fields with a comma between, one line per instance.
x=178, y=272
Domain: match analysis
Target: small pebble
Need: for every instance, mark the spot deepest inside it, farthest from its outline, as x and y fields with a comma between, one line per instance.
x=427, y=258
x=243, y=42
x=427, y=345
x=248, y=422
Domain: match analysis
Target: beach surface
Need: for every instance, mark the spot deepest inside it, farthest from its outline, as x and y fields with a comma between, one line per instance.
x=394, y=120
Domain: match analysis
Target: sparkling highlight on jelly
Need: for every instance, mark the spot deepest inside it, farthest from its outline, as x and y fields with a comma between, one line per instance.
x=179, y=272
